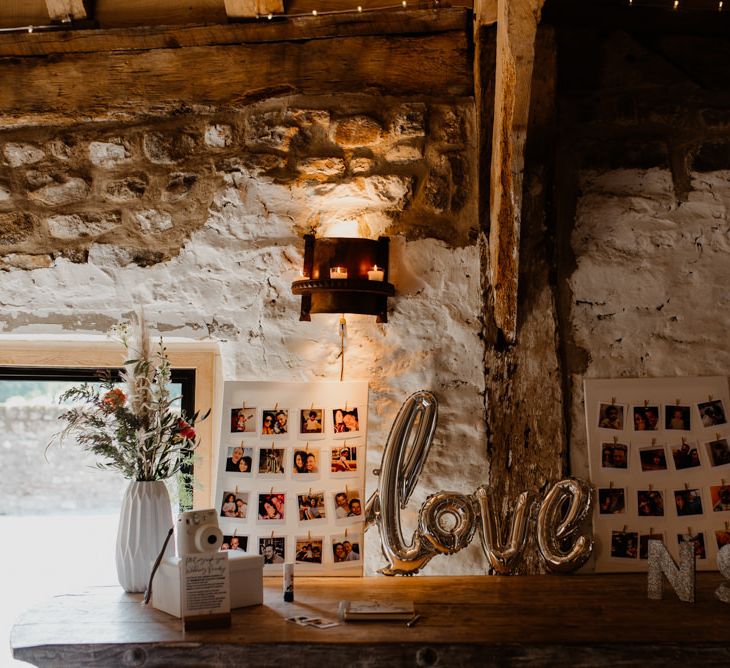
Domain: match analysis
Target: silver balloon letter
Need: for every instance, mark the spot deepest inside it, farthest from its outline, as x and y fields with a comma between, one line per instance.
x=404, y=455
x=555, y=526
x=457, y=534
x=501, y=555
x=723, y=565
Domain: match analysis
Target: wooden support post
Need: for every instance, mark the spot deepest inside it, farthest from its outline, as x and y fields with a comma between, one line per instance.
x=239, y=9
x=66, y=10
x=516, y=28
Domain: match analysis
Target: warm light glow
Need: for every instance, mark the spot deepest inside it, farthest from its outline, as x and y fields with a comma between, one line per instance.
x=340, y=228
x=338, y=272
x=676, y=4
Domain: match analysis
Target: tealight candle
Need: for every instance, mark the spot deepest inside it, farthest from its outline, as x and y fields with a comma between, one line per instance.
x=376, y=274
x=338, y=272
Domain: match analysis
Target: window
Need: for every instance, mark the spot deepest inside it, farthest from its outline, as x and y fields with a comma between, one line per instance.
x=60, y=544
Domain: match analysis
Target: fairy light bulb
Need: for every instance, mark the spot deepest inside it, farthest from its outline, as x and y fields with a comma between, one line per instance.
x=359, y=8
x=676, y=4
x=314, y=12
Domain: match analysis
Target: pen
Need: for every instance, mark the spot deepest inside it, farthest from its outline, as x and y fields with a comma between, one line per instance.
x=413, y=621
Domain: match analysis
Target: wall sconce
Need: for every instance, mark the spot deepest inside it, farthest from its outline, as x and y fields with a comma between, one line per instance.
x=344, y=275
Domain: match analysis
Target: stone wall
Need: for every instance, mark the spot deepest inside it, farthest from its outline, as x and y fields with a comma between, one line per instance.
x=645, y=208
x=41, y=480
x=200, y=217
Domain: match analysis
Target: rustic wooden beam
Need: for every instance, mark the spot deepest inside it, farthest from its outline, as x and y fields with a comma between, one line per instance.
x=304, y=28
x=239, y=9
x=66, y=10
x=516, y=28
x=104, y=84
x=128, y=13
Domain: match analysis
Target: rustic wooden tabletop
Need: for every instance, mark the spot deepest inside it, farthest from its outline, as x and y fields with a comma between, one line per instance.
x=535, y=620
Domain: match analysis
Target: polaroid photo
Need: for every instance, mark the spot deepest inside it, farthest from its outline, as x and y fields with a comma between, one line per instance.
x=311, y=506
x=275, y=423
x=322, y=623
x=688, y=502
x=309, y=550
x=272, y=507
x=644, y=543
x=720, y=498
x=305, y=463
x=611, y=416
x=614, y=456
x=653, y=459
x=345, y=549
x=301, y=620
x=235, y=505
x=271, y=461
x=611, y=500
x=718, y=452
x=345, y=422
x=677, y=417
x=239, y=460
x=699, y=542
x=712, y=413
x=343, y=460
x=243, y=420
x=234, y=543
x=348, y=504
x=685, y=456
x=722, y=538
x=624, y=544
x=273, y=549
x=650, y=503
x=311, y=422
x=645, y=418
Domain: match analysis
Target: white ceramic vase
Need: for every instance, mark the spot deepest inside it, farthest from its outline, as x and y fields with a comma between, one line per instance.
x=144, y=521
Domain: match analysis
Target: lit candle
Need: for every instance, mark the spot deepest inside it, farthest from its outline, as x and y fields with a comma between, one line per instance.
x=376, y=274
x=338, y=272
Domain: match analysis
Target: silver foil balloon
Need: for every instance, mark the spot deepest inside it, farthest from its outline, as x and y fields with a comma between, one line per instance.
x=502, y=554
x=442, y=506
x=682, y=579
x=404, y=455
x=558, y=528
x=723, y=565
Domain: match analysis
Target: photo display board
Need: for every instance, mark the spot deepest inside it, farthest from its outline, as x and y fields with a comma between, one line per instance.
x=290, y=483
x=659, y=457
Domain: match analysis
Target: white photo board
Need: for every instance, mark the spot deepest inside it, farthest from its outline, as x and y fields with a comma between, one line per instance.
x=659, y=457
x=290, y=480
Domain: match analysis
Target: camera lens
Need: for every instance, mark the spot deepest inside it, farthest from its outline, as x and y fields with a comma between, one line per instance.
x=212, y=539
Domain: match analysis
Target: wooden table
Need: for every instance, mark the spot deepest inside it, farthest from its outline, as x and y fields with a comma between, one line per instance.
x=467, y=621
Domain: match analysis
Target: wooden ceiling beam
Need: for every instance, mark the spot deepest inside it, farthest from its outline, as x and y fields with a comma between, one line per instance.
x=66, y=11
x=237, y=9
x=129, y=13
x=517, y=22
x=108, y=85
x=408, y=22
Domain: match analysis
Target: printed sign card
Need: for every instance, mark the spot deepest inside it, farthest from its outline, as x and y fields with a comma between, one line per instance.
x=205, y=591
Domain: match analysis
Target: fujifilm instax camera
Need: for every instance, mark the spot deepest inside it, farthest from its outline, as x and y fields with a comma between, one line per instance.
x=197, y=532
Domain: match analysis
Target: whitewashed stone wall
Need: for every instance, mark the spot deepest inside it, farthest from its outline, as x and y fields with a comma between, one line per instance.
x=200, y=218
x=650, y=291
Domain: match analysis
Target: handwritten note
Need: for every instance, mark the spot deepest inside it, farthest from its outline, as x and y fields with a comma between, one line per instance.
x=205, y=587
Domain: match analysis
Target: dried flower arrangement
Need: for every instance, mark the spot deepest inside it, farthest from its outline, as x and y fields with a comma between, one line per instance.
x=133, y=430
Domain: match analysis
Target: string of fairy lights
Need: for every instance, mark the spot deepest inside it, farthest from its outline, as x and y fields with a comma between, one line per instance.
x=676, y=6
x=360, y=9
x=669, y=5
